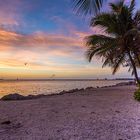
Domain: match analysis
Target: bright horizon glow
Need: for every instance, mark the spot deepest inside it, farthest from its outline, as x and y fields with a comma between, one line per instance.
x=44, y=39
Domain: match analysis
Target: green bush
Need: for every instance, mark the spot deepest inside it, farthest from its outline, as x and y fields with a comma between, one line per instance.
x=137, y=95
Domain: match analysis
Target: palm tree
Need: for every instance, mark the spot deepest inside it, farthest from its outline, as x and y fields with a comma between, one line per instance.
x=87, y=6
x=120, y=44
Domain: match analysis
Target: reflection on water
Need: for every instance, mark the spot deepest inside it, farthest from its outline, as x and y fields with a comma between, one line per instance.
x=48, y=87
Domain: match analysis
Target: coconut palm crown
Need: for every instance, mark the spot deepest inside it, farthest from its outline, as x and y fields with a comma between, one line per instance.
x=120, y=44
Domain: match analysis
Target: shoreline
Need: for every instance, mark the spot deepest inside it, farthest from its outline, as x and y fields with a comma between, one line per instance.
x=108, y=113
x=105, y=79
x=17, y=96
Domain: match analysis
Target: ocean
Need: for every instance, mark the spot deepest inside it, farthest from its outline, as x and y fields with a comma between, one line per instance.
x=50, y=86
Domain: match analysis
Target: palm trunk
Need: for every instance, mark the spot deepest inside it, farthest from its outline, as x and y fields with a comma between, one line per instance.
x=134, y=67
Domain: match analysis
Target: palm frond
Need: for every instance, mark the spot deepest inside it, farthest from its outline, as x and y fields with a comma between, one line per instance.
x=87, y=6
x=132, y=6
x=117, y=63
x=137, y=19
x=98, y=45
x=117, y=7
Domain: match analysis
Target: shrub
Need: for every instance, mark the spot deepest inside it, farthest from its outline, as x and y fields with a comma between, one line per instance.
x=137, y=94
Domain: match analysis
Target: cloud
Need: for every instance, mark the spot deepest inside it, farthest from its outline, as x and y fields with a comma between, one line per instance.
x=45, y=54
x=42, y=40
x=39, y=47
x=10, y=13
x=59, y=51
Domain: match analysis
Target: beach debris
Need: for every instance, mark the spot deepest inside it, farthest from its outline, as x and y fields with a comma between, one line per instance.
x=54, y=111
x=89, y=88
x=34, y=96
x=8, y=125
x=17, y=96
x=93, y=113
x=6, y=122
x=117, y=111
x=73, y=90
x=58, y=131
x=126, y=83
x=18, y=125
x=14, y=96
x=62, y=92
x=67, y=112
x=70, y=91
x=82, y=89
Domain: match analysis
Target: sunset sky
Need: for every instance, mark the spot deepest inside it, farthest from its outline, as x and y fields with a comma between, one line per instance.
x=44, y=39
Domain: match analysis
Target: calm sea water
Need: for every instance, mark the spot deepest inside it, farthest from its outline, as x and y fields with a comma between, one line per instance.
x=49, y=87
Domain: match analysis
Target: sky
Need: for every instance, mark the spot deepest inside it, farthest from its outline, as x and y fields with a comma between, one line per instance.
x=45, y=39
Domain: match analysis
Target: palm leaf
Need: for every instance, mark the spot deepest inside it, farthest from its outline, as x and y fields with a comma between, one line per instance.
x=87, y=6
x=98, y=45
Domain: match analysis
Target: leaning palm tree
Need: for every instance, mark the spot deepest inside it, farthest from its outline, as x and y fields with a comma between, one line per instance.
x=87, y=6
x=118, y=47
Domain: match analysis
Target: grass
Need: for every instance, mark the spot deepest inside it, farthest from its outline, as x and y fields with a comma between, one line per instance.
x=137, y=94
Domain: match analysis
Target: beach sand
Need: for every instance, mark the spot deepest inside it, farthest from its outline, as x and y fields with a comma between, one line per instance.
x=96, y=114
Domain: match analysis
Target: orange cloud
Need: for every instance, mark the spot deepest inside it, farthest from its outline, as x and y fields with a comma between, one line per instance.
x=44, y=52
x=39, y=39
x=35, y=49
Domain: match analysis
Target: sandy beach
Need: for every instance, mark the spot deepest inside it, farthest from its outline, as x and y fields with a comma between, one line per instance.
x=109, y=113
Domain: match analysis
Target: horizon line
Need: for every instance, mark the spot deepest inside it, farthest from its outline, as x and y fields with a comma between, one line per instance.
x=64, y=79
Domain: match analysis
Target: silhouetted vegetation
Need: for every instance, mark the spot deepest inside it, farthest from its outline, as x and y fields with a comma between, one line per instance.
x=119, y=46
x=137, y=95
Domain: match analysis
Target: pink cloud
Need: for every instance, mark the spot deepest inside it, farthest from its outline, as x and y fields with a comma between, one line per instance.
x=11, y=13
x=38, y=47
x=40, y=39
